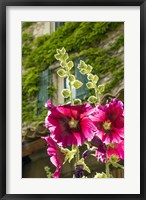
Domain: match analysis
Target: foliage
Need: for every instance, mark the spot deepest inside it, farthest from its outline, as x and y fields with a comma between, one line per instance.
x=26, y=24
x=79, y=38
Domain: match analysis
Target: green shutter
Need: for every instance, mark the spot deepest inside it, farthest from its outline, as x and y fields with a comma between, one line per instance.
x=45, y=81
x=82, y=92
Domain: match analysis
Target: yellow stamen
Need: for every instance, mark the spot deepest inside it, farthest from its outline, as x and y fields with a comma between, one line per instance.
x=107, y=125
x=73, y=123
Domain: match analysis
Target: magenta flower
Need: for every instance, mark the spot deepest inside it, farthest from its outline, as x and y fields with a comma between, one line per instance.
x=70, y=125
x=116, y=149
x=57, y=157
x=49, y=104
x=109, y=120
x=104, y=152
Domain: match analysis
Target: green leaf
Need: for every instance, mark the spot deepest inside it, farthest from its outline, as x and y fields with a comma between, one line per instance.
x=85, y=167
x=69, y=155
x=65, y=93
x=77, y=84
x=92, y=99
x=62, y=73
x=90, y=85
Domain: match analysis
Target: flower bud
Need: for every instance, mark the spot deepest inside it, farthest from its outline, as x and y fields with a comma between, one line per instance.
x=70, y=65
x=92, y=99
x=95, y=79
x=65, y=93
x=89, y=68
x=82, y=65
x=83, y=71
x=101, y=89
x=90, y=85
x=90, y=77
x=77, y=84
x=63, y=51
x=100, y=175
x=61, y=73
x=77, y=102
x=71, y=78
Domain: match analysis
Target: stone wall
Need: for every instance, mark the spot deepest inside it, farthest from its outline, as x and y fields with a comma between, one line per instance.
x=41, y=28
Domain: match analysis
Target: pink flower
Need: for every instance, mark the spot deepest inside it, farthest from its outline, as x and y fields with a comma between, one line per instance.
x=109, y=120
x=57, y=157
x=70, y=125
x=101, y=153
x=49, y=104
x=104, y=153
x=116, y=149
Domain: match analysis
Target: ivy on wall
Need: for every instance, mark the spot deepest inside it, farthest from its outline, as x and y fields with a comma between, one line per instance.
x=78, y=38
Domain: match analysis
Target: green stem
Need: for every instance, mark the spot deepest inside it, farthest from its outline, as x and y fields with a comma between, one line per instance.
x=71, y=96
x=78, y=154
x=96, y=93
x=107, y=170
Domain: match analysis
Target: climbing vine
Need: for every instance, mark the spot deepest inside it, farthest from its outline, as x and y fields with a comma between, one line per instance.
x=79, y=38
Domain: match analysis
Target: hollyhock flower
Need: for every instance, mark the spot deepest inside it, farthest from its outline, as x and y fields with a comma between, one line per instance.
x=104, y=152
x=57, y=157
x=116, y=149
x=70, y=125
x=101, y=153
x=49, y=104
x=109, y=120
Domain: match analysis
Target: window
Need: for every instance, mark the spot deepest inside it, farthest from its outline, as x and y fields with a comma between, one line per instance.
x=45, y=81
x=83, y=92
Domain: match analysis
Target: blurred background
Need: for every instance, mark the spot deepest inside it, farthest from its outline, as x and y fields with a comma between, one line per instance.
x=100, y=44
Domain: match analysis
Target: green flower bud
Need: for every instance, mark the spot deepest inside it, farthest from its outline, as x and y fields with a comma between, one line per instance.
x=77, y=102
x=71, y=78
x=92, y=99
x=90, y=76
x=96, y=78
x=70, y=65
x=83, y=71
x=63, y=51
x=64, y=57
x=100, y=175
x=101, y=89
x=65, y=93
x=89, y=68
x=77, y=84
x=58, y=51
x=61, y=73
x=63, y=64
x=90, y=85
x=57, y=56
x=82, y=65
x=113, y=159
